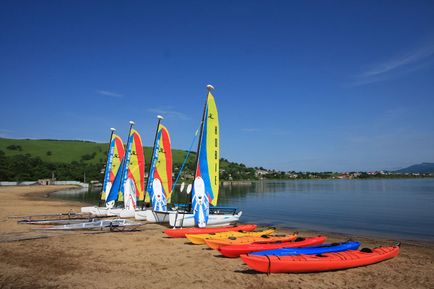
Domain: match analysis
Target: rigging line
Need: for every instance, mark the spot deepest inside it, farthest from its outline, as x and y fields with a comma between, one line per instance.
x=185, y=160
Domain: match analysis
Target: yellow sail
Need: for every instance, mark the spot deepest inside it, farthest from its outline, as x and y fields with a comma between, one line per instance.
x=135, y=168
x=209, y=154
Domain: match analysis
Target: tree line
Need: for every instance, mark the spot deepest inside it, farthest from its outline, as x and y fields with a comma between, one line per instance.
x=26, y=167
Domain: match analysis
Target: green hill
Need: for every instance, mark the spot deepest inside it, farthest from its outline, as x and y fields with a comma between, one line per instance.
x=26, y=159
x=67, y=151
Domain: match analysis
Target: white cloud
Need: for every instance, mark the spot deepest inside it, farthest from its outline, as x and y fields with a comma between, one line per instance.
x=405, y=63
x=168, y=112
x=110, y=93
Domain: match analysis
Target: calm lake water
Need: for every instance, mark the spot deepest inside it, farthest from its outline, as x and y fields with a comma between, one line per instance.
x=398, y=208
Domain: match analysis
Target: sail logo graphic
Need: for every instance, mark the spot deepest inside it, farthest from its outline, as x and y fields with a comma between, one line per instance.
x=159, y=201
x=200, y=203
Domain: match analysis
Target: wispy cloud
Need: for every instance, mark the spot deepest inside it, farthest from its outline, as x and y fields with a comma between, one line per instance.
x=110, y=93
x=280, y=131
x=251, y=129
x=169, y=112
x=405, y=63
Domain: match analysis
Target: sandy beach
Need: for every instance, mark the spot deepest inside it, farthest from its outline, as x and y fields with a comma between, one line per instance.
x=147, y=259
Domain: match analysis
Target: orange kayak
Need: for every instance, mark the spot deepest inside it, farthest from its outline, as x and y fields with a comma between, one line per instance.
x=320, y=262
x=217, y=243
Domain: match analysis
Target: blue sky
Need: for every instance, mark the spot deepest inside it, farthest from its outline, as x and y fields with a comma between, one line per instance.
x=307, y=85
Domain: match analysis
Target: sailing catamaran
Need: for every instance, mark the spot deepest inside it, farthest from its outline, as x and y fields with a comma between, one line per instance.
x=115, y=155
x=206, y=182
x=128, y=184
x=132, y=184
x=159, y=183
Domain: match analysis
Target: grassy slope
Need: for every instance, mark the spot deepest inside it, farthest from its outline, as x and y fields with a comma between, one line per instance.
x=66, y=151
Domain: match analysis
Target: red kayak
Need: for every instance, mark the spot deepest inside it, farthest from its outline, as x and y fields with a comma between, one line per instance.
x=320, y=262
x=234, y=251
x=180, y=233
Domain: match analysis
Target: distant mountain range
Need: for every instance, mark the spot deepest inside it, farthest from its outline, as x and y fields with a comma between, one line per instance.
x=420, y=168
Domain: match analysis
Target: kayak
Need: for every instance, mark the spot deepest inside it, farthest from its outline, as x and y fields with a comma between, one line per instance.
x=180, y=233
x=234, y=251
x=199, y=239
x=321, y=249
x=217, y=243
x=320, y=262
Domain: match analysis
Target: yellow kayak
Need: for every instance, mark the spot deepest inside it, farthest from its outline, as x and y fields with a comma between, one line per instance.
x=199, y=239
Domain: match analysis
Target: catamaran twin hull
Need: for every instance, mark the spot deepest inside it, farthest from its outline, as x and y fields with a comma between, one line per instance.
x=153, y=216
x=105, y=212
x=180, y=219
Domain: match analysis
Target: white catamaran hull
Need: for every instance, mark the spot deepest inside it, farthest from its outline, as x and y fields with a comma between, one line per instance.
x=153, y=216
x=106, y=212
x=101, y=211
x=179, y=219
x=124, y=213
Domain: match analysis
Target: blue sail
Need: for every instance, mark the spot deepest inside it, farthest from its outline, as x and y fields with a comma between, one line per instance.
x=108, y=167
x=127, y=158
x=113, y=195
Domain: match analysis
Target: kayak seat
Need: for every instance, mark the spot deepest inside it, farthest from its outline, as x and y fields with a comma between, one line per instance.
x=265, y=236
x=232, y=238
x=299, y=239
x=320, y=255
x=366, y=250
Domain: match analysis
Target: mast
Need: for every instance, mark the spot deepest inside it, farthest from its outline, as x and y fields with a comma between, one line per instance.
x=108, y=153
x=125, y=158
x=153, y=153
x=199, y=144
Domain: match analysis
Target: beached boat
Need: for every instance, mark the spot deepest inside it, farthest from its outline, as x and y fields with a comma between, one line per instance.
x=217, y=243
x=159, y=182
x=234, y=251
x=180, y=233
x=116, y=224
x=199, y=239
x=320, y=262
x=115, y=155
x=187, y=219
x=206, y=181
x=312, y=250
x=54, y=221
x=128, y=185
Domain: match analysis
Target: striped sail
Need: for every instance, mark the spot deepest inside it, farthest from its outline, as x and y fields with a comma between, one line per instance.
x=137, y=166
x=160, y=176
x=114, y=191
x=115, y=156
x=206, y=183
x=132, y=182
